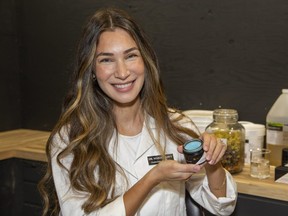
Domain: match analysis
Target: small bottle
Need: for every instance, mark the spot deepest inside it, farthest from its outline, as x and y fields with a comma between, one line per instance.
x=277, y=128
x=225, y=126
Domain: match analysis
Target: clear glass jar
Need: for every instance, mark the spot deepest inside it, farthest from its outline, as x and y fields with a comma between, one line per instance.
x=226, y=127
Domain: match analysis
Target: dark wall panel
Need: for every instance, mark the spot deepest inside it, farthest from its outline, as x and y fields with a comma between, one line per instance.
x=10, y=103
x=50, y=31
x=223, y=54
x=229, y=54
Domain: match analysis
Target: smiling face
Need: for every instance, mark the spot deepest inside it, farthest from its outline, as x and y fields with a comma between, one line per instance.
x=119, y=66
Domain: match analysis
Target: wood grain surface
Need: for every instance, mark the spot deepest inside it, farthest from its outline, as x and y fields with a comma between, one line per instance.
x=26, y=144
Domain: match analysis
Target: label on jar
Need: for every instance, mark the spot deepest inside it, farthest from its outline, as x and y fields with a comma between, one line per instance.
x=277, y=133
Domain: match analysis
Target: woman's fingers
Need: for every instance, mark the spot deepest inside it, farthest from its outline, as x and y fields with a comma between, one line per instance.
x=171, y=170
x=206, y=141
x=218, y=152
x=214, y=147
x=180, y=149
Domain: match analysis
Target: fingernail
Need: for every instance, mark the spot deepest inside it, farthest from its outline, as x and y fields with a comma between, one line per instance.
x=196, y=168
x=211, y=162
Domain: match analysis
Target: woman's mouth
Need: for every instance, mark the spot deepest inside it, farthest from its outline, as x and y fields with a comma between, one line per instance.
x=124, y=87
x=121, y=86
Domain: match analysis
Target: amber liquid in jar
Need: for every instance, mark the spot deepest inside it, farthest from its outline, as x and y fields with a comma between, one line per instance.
x=226, y=127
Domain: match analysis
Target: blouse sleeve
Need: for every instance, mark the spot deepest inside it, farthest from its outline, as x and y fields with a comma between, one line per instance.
x=71, y=201
x=199, y=190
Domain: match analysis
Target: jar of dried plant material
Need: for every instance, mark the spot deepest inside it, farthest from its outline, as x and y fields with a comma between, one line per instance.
x=226, y=127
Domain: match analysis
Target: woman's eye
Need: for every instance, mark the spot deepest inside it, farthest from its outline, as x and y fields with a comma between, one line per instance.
x=105, y=60
x=132, y=55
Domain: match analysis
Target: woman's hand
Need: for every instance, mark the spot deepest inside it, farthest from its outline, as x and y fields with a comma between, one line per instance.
x=213, y=147
x=170, y=170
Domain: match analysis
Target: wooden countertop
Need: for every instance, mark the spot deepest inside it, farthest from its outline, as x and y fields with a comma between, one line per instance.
x=263, y=188
x=30, y=144
x=26, y=144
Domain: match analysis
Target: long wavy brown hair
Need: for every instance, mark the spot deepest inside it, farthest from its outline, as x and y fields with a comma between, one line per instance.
x=87, y=111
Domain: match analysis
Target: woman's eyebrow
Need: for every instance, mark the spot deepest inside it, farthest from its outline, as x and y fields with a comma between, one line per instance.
x=131, y=49
x=104, y=54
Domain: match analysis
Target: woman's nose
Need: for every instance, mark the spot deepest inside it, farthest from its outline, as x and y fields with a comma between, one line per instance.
x=122, y=71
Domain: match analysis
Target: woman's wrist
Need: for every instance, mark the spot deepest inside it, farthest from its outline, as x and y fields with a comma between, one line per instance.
x=136, y=195
x=216, y=176
x=153, y=176
x=221, y=187
x=213, y=168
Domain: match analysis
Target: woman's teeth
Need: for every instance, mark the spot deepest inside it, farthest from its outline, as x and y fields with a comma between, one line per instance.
x=123, y=85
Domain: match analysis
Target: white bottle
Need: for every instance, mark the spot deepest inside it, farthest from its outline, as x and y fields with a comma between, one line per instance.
x=277, y=128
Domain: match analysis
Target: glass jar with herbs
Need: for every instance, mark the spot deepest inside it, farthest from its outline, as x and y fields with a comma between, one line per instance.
x=226, y=127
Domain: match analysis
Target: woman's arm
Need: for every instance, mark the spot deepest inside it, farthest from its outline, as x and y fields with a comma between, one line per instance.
x=215, y=149
x=127, y=204
x=217, y=192
x=216, y=179
x=168, y=170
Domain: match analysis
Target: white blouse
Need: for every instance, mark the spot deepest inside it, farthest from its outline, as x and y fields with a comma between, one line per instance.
x=131, y=154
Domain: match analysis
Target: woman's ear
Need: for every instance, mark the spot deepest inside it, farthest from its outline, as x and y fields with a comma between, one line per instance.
x=93, y=76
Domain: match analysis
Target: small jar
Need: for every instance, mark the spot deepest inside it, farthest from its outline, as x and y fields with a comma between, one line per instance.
x=226, y=127
x=193, y=151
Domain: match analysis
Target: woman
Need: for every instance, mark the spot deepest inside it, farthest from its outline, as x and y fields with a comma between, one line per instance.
x=117, y=148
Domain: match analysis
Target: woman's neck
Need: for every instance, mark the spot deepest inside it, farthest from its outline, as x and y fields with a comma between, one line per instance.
x=129, y=119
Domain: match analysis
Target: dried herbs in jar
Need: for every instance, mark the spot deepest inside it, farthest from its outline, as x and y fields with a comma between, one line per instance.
x=226, y=127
